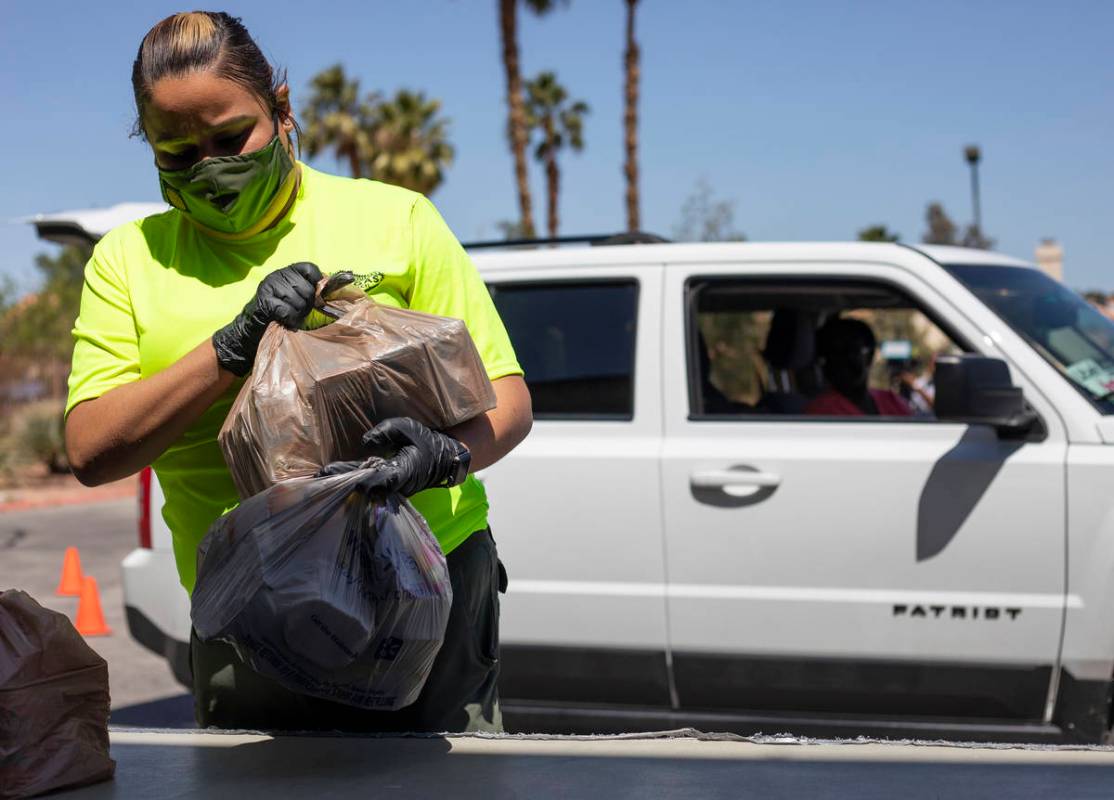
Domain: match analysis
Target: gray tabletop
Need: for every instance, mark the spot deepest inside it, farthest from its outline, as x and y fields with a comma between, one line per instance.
x=245, y=765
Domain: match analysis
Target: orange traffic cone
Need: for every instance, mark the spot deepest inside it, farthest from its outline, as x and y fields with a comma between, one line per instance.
x=70, y=584
x=90, y=618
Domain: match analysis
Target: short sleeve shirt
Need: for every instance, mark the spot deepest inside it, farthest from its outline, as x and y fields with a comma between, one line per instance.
x=158, y=287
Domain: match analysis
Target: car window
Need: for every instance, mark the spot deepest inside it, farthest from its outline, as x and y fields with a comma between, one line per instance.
x=1064, y=328
x=810, y=349
x=576, y=344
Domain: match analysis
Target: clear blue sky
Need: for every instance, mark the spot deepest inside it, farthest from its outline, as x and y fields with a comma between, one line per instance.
x=816, y=117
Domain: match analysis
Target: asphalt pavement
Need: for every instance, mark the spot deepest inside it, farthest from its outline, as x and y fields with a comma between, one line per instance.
x=32, y=543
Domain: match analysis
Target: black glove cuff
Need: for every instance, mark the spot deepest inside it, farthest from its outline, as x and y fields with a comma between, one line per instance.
x=237, y=342
x=230, y=357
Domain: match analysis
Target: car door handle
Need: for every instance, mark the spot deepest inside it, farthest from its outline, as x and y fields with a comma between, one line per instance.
x=728, y=479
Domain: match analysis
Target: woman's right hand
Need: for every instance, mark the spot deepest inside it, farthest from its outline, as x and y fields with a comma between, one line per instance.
x=285, y=296
x=128, y=427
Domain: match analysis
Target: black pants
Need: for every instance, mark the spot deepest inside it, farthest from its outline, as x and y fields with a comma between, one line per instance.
x=461, y=693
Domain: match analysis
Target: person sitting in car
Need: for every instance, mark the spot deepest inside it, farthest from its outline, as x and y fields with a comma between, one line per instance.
x=845, y=349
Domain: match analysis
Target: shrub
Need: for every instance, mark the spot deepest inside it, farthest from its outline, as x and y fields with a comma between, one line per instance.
x=40, y=436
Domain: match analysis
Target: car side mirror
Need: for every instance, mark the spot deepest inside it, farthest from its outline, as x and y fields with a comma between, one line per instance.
x=977, y=390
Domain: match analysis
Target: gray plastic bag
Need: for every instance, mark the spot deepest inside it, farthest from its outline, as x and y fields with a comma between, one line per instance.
x=329, y=587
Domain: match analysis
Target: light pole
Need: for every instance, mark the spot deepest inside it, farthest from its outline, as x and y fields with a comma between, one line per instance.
x=972, y=154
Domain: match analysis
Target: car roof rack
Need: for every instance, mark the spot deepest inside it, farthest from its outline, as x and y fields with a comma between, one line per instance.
x=595, y=240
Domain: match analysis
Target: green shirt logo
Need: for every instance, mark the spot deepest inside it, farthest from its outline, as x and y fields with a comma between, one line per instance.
x=367, y=280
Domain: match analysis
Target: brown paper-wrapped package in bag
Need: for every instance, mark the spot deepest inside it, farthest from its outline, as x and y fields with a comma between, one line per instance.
x=53, y=702
x=314, y=393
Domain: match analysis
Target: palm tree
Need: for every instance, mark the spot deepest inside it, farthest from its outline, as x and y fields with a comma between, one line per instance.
x=409, y=146
x=560, y=123
x=630, y=120
x=517, y=129
x=337, y=118
x=401, y=141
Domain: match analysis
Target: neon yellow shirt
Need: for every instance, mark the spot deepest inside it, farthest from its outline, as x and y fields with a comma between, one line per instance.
x=158, y=287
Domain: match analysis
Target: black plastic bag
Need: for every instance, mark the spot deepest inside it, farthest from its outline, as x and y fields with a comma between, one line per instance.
x=53, y=702
x=329, y=587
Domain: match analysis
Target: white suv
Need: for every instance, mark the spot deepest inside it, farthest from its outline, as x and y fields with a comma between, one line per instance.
x=687, y=545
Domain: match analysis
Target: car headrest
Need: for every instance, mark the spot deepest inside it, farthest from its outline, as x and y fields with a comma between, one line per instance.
x=791, y=342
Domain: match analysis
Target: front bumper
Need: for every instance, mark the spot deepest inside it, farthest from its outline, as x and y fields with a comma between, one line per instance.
x=175, y=652
x=158, y=608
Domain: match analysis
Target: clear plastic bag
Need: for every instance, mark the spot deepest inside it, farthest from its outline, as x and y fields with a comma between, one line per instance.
x=314, y=393
x=53, y=702
x=329, y=587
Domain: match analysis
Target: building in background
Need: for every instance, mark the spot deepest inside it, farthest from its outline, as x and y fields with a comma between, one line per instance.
x=1050, y=258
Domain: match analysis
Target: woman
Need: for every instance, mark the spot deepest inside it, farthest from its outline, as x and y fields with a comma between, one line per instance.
x=164, y=335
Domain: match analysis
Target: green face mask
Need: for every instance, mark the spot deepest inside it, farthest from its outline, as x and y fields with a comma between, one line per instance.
x=229, y=194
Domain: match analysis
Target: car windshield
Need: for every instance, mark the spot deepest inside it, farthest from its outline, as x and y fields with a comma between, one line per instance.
x=1063, y=327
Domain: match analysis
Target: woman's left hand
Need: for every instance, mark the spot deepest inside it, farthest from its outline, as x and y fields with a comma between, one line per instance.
x=417, y=457
x=425, y=459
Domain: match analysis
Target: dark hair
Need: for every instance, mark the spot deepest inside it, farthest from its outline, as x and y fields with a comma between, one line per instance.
x=835, y=334
x=200, y=40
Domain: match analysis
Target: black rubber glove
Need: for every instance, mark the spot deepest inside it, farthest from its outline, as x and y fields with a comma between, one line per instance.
x=417, y=458
x=285, y=296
